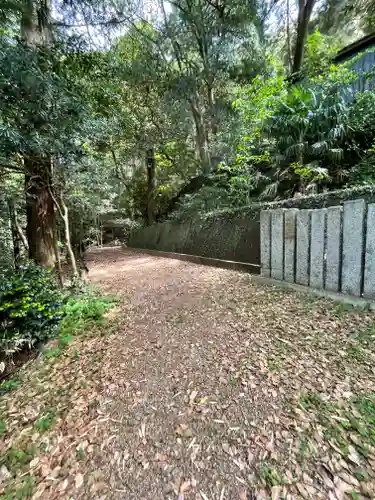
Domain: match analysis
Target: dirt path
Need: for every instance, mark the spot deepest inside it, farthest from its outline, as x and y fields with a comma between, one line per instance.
x=204, y=385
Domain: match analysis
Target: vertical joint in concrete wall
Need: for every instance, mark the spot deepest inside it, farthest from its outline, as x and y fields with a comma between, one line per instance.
x=290, y=244
x=265, y=242
x=277, y=244
x=369, y=274
x=303, y=230
x=353, y=246
x=317, y=247
x=334, y=249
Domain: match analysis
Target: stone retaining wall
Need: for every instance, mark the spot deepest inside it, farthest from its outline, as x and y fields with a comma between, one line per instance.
x=234, y=238
x=328, y=248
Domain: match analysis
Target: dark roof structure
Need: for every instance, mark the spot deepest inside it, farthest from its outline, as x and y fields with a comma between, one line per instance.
x=354, y=48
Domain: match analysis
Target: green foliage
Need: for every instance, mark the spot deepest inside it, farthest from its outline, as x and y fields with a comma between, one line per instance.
x=311, y=400
x=6, y=254
x=305, y=136
x=271, y=476
x=206, y=199
x=24, y=490
x=31, y=307
x=9, y=385
x=46, y=421
x=16, y=458
x=39, y=110
x=168, y=85
x=319, y=52
x=81, y=311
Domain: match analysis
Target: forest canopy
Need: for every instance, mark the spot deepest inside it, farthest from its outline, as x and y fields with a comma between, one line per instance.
x=118, y=113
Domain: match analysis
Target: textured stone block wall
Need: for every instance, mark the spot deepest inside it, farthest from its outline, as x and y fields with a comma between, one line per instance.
x=329, y=248
x=232, y=236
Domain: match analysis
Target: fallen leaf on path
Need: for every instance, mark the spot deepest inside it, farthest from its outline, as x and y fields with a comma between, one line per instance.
x=184, y=431
x=79, y=480
x=243, y=495
x=192, y=397
x=185, y=486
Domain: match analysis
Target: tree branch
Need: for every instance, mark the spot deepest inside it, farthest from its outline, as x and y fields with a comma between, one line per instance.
x=11, y=166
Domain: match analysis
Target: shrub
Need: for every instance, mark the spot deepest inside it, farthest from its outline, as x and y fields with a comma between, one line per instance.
x=31, y=307
x=82, y=310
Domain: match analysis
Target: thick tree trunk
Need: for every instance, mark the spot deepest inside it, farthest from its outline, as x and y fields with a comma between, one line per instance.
x=151, y=164
x=304, y=15
x=36, y=33
x=36, y=23
x=40, y=211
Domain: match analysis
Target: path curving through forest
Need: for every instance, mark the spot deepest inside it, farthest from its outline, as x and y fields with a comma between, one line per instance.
x=206, y=385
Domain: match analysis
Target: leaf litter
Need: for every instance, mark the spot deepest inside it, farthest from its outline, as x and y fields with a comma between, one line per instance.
x=202, y=385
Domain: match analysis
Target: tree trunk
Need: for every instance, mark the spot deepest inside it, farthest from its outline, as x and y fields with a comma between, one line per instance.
x=15, y=237
x=20, y=232
x=304, y=15
x=65, y=218
x=40, y=211
x=289, y=49
x=211, y=105
x=151, y=164
x=200, y=134
x=14, y=219
x=36, y=23
x=64, y=214
x=58, y=263
x=36, y=32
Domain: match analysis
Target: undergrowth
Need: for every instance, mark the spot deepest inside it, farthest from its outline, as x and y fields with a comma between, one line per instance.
x=83, y=313
x=349, y=424
x=83, y=310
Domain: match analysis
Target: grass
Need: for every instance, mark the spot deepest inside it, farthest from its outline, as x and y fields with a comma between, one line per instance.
x=3, y=427
x=46, y=421
x=16, y=459
x=80, y=314
x=365, y=337
x=64, y=340
x=52, y=352
x=345, y=426
x=24, y=490
x=303, y=448
x=9, y=385
x=274, y=364
x=82, y=311
x=271, y=476
x=356, y=353
x=365, y=406
x=343, y=308
x=312, y=400
x=80, y=454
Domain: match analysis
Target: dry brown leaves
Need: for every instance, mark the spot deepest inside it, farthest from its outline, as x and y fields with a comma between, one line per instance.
x=210, y=387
